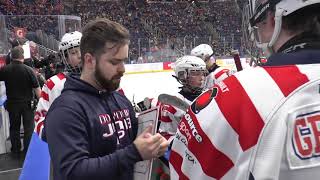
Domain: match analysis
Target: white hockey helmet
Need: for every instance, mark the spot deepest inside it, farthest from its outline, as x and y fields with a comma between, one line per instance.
x=258, y=10
x=185, y=66
x=202, y=51
x=70, y=40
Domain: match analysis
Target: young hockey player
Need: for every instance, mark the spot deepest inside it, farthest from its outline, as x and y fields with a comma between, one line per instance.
x=215, y=72
x=69, y=49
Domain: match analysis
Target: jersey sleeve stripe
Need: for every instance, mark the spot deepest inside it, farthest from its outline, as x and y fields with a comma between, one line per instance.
x=44, y=95
x=50, y=84
x=190, y=167
x=240, y=112
x=61, y=76
x=311, y=70
x=219, y=129
x=287, y=78
x=218, y=74
x=261, y=89
x=205, y=155
x=175, y=162
x=39, y=127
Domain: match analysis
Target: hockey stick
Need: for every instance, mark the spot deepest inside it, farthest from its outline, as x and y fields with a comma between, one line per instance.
x=237, y=60
x=174, y=101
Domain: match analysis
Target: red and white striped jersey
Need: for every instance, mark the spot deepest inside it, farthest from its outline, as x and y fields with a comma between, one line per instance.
x=217, y=137
x=50, y=91
x=216, y=76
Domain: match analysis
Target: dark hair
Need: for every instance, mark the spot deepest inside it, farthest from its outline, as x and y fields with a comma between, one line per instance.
x=17, y=53
x=305, y=20
x=98, y=32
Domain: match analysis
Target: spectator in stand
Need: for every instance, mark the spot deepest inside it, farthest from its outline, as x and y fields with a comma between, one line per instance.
x=155, y=21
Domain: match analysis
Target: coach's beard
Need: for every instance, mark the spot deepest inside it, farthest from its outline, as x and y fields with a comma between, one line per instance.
x=106, y=84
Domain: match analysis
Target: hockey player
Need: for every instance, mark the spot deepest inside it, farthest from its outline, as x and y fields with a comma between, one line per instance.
x=69, y=48
x=261, y=123
x=216, y=73
x=190, y=72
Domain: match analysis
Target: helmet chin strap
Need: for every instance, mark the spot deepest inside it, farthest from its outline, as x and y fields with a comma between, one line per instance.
x=268, y=47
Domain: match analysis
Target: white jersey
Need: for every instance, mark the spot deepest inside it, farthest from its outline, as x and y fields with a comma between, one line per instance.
x=216, y=76
x=289, y=144
x=218, y=136
x=49, y=92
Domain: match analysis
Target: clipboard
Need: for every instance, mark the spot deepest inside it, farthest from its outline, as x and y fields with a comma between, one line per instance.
x=143, y=169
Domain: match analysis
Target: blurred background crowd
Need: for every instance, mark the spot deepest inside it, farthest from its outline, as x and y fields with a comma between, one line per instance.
x=161, y=30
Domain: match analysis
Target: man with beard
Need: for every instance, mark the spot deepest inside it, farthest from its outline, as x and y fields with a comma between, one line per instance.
x=91, y=129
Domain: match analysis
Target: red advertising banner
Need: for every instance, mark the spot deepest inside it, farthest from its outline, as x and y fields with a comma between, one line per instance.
x=167, y=65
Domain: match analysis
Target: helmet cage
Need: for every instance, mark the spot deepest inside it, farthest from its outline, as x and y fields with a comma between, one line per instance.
x=183, y=77
x=67, y=66
x=258, y=13
x=69, y=41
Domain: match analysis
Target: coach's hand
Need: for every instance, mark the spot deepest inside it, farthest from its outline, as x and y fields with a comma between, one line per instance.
x=150, y=146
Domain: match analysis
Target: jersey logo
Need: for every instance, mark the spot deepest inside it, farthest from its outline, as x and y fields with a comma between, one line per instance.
x=203, y=100
x=306, y=134
x=303, y=139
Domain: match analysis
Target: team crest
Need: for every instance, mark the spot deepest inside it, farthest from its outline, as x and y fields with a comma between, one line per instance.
x=203, y=100
x=306, y=136
x=303, y=145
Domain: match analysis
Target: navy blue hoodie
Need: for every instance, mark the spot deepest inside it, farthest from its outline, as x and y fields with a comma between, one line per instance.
x=90, y=134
